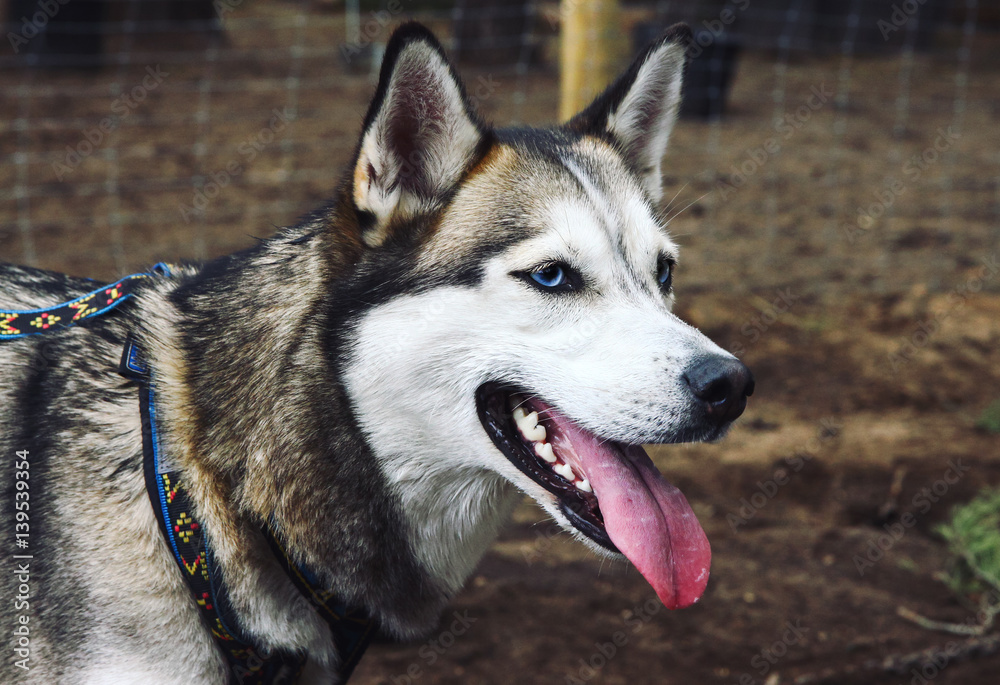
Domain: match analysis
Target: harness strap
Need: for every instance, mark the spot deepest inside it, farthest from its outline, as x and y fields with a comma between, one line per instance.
x=186, y=538
x=21, y=323
x=350, y=627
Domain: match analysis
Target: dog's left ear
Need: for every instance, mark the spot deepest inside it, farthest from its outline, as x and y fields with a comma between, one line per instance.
x=420, y=135
x=638, y=110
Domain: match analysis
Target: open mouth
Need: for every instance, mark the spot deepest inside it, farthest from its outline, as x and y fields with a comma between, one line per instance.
x=523, y=430
x=609, y=491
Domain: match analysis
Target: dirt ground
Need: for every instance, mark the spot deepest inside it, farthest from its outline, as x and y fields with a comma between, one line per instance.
x=875, y=342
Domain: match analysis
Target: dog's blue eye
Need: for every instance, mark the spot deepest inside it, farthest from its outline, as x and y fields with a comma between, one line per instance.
x=665, y=273
x=551, y=276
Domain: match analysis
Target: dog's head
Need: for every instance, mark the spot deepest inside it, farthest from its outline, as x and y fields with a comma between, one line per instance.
x=529, y=335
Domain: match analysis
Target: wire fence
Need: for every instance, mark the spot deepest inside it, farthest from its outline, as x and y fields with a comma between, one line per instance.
x=838, y=146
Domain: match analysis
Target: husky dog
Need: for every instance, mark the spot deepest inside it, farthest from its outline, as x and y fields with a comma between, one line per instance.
x=479, y=313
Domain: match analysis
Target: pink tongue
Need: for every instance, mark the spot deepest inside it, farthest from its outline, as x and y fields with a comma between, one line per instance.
x=646, y=517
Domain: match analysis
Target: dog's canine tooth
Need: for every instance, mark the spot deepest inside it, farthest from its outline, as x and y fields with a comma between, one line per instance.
x=584, y=485
x=531, y=428
x=535, y=434
x=526, y=421
x=544, y=450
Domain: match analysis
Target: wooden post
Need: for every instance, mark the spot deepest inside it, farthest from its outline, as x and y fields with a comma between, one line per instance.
x=592, y=46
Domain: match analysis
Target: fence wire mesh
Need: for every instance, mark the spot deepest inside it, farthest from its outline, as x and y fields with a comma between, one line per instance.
x=834, y=145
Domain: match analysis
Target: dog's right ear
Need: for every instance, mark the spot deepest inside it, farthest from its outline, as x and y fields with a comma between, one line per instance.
x=637, y=112
x=420, y=135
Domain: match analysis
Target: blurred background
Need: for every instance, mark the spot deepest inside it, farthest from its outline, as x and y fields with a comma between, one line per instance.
x=835, y=186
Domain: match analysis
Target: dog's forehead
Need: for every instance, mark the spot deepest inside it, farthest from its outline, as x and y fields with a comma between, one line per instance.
x=603, y=207
x=570, y=198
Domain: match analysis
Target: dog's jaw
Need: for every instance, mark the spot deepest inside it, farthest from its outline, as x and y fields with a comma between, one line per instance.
x=610, y=492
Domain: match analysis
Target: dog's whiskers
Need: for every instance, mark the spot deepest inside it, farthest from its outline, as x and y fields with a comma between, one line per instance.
x=668, y=205
x=685, y=208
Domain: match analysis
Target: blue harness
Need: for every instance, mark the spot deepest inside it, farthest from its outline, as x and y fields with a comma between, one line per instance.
x=248, y=663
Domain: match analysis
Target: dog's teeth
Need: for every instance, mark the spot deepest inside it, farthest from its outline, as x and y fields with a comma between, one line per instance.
x=531, y=429
x=565, y=471
x=528, y=421
x=521, y=418
x=584, y=485
x=544, y=450
x=536, y=434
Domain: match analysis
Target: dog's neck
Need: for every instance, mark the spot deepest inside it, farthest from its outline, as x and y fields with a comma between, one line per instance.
x=453, y=515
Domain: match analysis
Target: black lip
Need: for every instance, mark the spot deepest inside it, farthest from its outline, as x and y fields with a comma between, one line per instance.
x=580, y=509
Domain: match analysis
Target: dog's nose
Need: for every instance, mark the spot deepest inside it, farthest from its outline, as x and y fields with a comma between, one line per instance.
x=722, y=383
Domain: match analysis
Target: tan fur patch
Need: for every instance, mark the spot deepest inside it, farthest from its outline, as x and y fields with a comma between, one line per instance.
x=460, y=229
x=361, y=182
